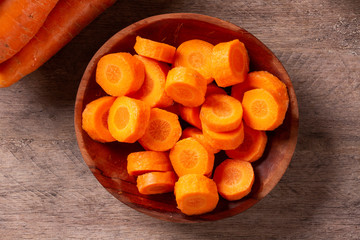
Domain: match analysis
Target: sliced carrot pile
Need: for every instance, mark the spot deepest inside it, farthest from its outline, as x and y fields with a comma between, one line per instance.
x=147, y=161
x=155, y=50
x=262, y=111
x=186, y=86
x=196, y=194
x=95, y=119
x=213, y=89
x=221, y=113
x=234, y=179
x=162, y=132
x=156, y=182
x=195, y=54
x=191, y=115
x=128, y=119
x=152, y=90
x=230, y=63
x=120, y=74
x=224, y=140
x=252, y=147
x=198, y=136
x=190, y=156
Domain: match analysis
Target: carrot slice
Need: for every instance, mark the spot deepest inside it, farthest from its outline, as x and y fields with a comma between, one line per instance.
x=198, y=136
x=195, y=54
x=128, y=119
x=191, y=115
x=212, y=88
x=186, y=86
x=230, y=63
x=224, y=140
x=252, y=147
x=152, y=90
x=95, y=119
x=221, y=113
x=262, y=111
x=190, y=156
x=120, y=74
x=156, y=182
x=162, y=132
x=147, y=161
x=155, y=50
x=234, y=179
x=196, y=194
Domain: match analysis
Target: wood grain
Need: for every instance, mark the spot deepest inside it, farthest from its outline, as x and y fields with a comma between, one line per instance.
x=47, y=191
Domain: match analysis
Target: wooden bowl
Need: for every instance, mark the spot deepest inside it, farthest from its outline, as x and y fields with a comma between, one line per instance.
x=108, y=161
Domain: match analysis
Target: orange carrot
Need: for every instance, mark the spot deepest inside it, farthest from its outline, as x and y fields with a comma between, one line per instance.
x=224, y=140
x=190, y=156
x=262, y=111
x=196, y=194
x=195, y=54
x=162, y=132
x=212, y=88
x=155, y=50
x=198, y=136
x=64, y=22
x=230, y=63
x=191, y=115
x=120, y=74
x=221, y=113
x=152, y=90
x=186, y=86
x=147, y=161
x=128, y=119
x=156, y=182
x=20, y=21
x=252, y=147
x=238, y=90
x=95, y=119
x=234, y=179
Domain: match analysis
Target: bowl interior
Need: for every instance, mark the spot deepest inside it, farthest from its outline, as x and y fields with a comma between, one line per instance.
x=108, y=161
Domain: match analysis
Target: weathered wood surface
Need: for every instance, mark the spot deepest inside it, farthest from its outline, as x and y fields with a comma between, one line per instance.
x=47, y=191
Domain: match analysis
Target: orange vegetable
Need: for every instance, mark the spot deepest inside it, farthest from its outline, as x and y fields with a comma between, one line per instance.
x=195, y=54
x=64, y=22
x=198, y=136
x=128, y=119
x=196, y=194
x=156, y=182
x=213, y=89
x=191, y=115
x=147, y=161
x=120, y=74
x=230, y=63
x=221, y=113
x=190, y=156
x=186, y=86
x=162, y=132
x=252, y=147
x=94, y=119
x=20, y=21
x=238, y=90
x=224, y=140
x=155, y=50
x=152, y=90
x=234, y=179
x=262, y=111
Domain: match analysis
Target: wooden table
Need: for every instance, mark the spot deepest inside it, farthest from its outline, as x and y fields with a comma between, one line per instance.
x=47, y=191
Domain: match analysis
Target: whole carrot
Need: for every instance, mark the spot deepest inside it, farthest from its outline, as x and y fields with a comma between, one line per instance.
x=66, y=20
x=20, y=20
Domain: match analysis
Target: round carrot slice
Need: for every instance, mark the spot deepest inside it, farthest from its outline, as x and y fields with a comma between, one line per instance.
x=162, y=132
x=191, y=115
x=156, y=182
x=186, y=86
x=230, y=63
x=213, y=89
x=190, y=156
x=155, y=50
x=196, y=194
x=128, y=119
x=148, y=161
x=120, y=74
x=234, y=179
x=221, y=113
x=198, y=136
x=195, y=54
x=95, y=119
x=252, y=147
